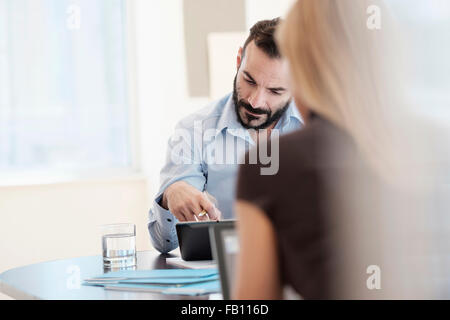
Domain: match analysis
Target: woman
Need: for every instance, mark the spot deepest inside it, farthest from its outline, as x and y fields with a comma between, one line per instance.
x=324, y=220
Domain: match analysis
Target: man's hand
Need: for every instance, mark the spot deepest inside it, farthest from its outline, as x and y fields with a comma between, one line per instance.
x=185, y=202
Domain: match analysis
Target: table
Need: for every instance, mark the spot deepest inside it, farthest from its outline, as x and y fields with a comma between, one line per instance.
x=61, y=280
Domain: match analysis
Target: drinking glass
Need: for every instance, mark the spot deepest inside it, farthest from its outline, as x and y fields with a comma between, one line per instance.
x=119, y=245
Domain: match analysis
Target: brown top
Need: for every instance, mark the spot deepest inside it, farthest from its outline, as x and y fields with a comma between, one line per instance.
x=295, y=201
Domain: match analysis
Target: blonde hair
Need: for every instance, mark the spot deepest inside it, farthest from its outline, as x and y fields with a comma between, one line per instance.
x=341, y=70
x=347, y=73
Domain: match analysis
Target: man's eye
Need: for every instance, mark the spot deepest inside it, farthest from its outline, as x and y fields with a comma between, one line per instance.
x=250, y=82
x=277, y=93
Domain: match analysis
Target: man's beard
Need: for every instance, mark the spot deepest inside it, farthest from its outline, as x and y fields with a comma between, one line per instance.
x=271, y=117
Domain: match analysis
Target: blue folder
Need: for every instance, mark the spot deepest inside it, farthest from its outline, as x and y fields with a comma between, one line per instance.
x=167, y=281
x=155, y=274
x=190, y=289
x=171, y=280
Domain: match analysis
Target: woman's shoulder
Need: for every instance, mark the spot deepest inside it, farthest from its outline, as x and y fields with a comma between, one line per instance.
x=304, y=147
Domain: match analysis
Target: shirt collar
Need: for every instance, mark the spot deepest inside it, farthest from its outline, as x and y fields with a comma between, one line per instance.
x=291, y=114
x=228, y=119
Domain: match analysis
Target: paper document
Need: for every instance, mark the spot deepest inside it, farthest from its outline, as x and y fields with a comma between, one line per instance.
x=173, y=281
x=166, y=281
x=154, y=274
x=191, y=290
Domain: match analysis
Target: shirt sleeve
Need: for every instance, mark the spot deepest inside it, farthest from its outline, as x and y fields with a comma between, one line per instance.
x=183, y=163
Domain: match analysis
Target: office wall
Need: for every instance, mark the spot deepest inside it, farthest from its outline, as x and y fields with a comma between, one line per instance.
x=201, y=17
x=265, y=9
x=57, y=221
x=162, y=94
x=222, y=51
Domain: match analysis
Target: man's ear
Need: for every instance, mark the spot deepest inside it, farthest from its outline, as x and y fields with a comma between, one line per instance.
x=239, y=58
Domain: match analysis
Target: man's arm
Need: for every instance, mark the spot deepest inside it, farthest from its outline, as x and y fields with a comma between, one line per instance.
x=187, y=201
x=180, y=197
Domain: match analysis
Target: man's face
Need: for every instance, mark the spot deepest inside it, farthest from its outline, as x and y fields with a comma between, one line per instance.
x=260, y=89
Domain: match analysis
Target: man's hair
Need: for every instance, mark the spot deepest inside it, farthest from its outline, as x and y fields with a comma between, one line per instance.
x=263, y=33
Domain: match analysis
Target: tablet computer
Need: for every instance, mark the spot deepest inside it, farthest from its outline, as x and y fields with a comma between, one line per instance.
x=193, y=238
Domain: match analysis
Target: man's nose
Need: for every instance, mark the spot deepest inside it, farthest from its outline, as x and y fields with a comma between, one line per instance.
x=257, y=99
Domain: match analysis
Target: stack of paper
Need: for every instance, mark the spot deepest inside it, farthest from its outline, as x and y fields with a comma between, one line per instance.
x=167, y=281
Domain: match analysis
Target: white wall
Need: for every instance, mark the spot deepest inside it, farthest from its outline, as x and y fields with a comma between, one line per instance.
x=162, y=82
x=265, y=9
x=222, y=51
x=46, y=222
x=58, y=221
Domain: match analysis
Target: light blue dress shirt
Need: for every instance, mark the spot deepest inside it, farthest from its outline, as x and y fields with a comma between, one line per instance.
x=189, y=159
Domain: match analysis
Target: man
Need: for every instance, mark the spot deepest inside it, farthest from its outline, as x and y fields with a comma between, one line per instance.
x=260, y=100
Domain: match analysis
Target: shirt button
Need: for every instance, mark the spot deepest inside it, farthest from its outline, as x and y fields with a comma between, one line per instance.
x=170, y=220
x=168, y=240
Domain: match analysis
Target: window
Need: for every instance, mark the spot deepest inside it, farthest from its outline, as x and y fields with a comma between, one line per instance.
x=64, y=103
x=426, y=25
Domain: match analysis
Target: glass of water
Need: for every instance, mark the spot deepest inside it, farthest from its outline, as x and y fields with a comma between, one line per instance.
x=119, y=245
